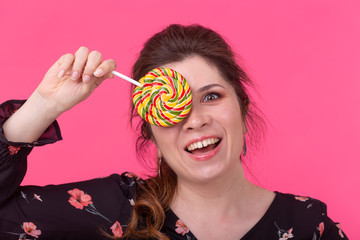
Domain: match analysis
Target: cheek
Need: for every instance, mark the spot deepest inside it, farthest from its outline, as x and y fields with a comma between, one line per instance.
x=165, y=139
x=232, y=118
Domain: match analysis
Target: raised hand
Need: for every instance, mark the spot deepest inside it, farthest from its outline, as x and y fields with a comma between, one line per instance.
x=73, y=78
x=69, y=81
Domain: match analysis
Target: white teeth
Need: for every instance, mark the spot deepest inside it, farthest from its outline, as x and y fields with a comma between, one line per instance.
x=201, y=144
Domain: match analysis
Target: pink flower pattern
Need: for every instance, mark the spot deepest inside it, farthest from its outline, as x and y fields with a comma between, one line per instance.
x=117, y=229
x=79, y=199
x=30, y=229
x=13, y=150
x=37, y=197
x=131, y=175
x=283, y=234
x=340, y=231
x=181, y=228
x=302, y=199
x=287, y=235
x=321, y=228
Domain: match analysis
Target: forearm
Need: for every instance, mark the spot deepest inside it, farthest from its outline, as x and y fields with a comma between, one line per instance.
x=30, y=121
x=59, y=91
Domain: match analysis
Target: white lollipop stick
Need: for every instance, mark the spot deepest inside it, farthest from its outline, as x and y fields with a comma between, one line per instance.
x=126, y=78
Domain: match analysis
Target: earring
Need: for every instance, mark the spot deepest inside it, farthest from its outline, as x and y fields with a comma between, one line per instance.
x=159, y=171
x=244, y=148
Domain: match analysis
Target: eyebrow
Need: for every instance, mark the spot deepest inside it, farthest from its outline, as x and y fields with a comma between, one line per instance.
x=207, y=87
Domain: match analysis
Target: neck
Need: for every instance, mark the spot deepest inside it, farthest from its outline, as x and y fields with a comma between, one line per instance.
x=228, y=193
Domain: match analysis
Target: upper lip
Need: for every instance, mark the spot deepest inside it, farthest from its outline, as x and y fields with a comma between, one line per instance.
x=200, y=139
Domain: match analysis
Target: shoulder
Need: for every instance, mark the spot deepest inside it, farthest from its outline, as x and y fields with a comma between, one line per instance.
x=128, y=183
x=116, y=187
x=299, y=208
x=304, y=214
x=296, y=215
x=301, y=203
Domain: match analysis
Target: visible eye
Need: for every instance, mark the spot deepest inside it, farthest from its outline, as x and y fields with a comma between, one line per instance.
x=210, y=97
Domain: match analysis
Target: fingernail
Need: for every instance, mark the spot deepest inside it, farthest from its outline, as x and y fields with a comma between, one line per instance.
x=61, y=73
x=98, y=72
x=74, y=75
x=86, y=78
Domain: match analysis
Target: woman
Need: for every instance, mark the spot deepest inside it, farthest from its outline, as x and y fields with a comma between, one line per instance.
x=200, y=191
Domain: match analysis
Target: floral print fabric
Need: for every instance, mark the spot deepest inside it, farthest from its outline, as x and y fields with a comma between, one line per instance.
x=85, y=210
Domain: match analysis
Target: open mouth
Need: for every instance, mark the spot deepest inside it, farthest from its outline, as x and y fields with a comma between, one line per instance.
x=203, y=146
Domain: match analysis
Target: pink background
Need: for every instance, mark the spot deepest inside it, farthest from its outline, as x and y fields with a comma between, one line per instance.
x=304, y=57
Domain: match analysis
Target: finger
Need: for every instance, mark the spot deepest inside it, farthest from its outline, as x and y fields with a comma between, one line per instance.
x=65, y=62
x=108, y=66
x=110, y=75
x=81, y=57
x=94, y=60
x=105, y=68
x=99, y=81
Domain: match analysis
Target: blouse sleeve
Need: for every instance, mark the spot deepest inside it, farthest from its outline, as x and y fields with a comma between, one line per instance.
x=81, y=210
x=329, y=229
x=13, y=155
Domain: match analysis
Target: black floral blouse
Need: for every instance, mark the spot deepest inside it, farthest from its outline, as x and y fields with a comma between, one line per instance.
x=84, y=210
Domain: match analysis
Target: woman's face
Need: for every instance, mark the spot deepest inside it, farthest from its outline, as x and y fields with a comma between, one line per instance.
x=208, y=142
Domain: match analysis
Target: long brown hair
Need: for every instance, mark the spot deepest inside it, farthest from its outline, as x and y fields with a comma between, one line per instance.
x=174, y=44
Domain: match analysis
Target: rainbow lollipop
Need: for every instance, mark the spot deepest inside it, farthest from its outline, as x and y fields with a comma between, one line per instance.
x=163, y=97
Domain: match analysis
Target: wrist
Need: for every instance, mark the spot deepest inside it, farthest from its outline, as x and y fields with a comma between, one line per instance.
x=43, y=108
x=30, y=121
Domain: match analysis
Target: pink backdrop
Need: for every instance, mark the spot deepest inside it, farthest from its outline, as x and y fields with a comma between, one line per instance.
x=303, y=56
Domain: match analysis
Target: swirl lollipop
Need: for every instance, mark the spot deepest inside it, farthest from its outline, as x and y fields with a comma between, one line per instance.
x=163, y=97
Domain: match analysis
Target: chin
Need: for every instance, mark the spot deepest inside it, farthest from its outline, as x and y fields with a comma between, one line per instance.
x=205, y=174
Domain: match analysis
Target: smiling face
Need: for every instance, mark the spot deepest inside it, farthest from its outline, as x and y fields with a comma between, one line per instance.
x=207, y=144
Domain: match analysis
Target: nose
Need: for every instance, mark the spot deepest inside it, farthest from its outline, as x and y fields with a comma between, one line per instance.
x=197, y=119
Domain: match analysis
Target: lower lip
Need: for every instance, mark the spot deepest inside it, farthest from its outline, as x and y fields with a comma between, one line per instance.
x=205, y=156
